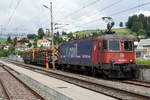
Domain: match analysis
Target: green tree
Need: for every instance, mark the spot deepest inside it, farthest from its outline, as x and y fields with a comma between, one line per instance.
x=20, y=53
x=141, y=32
x=136, y=26
x=9, y=40
x=121, y=24
x=64, y=33
x=139, y=24
x=24, y=40
x=3, y=53
x=30, y=45
x=40, y=33
x=70, y=35
x=35, y=44
x=57, y=33
x=32, y=36
x=15, y=42
x=58, y=39
x=11, y=50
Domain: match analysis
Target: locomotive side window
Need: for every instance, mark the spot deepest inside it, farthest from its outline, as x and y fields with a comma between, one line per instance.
x=89, y=48
x=99, y=44
x=105, y=44
x=94, y=47
x=128, y=46
x=114, y=45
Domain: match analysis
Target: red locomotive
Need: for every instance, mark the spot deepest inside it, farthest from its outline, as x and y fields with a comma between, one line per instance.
x=110, y=54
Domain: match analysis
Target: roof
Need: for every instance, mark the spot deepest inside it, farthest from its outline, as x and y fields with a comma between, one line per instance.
x=40, y=41
x=144, y=42
x=21, y=46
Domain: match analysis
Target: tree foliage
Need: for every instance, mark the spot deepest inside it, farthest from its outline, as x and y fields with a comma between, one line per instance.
x=58, y=39
x=11, y=50
x=31, y=36
x=3, y=53
x=35, y=44
x=24, y=40
x=139, y=24
x=15, y=42
x=30, y=45
x=9, y=40
x=141, y=32
x=121, y=24
x=64, y=33
x=40, y=33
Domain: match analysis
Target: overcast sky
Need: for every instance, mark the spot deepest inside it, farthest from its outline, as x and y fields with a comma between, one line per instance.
x=79, y=14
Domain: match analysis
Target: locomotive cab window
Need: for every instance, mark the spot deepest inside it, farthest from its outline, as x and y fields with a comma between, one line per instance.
x=128, y=46
x=114, y=45
x=105, y=44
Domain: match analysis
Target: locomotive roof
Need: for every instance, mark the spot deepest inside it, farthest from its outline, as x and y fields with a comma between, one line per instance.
x=101, y=37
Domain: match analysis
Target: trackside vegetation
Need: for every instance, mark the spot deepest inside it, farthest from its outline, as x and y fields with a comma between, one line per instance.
x=143, y=62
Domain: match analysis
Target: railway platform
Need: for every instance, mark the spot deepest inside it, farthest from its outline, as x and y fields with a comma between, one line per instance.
x=58, y=87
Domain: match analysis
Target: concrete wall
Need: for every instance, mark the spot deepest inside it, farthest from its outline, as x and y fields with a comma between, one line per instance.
x=143, y=73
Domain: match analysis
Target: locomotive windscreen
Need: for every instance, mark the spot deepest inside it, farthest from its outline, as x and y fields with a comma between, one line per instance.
x=114, y=45
x=128, y=46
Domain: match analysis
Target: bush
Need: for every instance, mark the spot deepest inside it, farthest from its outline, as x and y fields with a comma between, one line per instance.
x=4, y=53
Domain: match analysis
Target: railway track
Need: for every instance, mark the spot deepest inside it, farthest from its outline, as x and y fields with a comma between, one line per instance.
x=12, y=88
x=115, y=92
x=137, y=83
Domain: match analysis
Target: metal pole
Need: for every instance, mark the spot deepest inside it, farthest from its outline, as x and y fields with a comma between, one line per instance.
x=53, y=62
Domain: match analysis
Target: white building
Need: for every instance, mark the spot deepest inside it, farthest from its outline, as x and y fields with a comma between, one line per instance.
x=44, y=43
x=142, y=48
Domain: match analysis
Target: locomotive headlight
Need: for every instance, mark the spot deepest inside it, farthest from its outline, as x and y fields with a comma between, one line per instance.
x=131, y=60
x=112, y=60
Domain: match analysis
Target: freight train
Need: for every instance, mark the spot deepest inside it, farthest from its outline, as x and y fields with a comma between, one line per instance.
x=111, y=55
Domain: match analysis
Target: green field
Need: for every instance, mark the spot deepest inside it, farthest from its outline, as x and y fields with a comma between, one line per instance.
x=143, y=62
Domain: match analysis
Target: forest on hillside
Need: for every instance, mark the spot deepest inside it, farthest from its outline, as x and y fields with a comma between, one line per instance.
x=139, y=24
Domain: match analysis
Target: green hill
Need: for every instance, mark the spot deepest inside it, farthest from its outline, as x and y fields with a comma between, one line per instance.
x=117, y=30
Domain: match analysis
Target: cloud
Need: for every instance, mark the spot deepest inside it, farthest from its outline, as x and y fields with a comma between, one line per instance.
x=31, y=15
x=146, y=13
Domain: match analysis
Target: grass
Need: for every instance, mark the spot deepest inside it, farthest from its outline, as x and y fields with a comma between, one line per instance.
x=2, y=41
x=117, y=30
x=143, y=62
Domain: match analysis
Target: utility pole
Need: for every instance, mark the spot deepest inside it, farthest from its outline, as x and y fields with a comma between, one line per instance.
x=52, y=35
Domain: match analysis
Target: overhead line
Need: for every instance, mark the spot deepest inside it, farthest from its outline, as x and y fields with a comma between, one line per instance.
x=76, y=11
x=107, y=7
x=117, y=13
x=111, y=5
x=10, y=18
x=147, y=3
